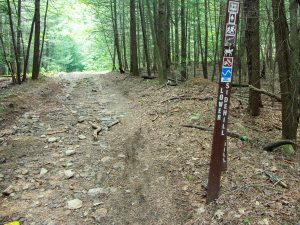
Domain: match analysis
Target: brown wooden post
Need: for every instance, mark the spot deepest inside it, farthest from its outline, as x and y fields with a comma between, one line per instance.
x=220, y=144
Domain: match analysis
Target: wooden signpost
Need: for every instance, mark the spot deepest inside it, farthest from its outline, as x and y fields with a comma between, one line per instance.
x=219, y=147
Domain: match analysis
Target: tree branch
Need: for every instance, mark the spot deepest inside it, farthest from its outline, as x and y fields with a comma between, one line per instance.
x=262, y=91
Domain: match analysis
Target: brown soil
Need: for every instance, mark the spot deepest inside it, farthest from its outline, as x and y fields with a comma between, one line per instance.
x=151, y=168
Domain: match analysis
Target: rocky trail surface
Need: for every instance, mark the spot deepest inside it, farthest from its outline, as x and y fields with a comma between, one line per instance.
x=140, y=167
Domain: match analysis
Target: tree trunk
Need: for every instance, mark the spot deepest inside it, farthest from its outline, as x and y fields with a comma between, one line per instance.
x=28, y=50
x=161, y=38
x=116, y=34
x=44, y=33
x=183, y=42
x=133, y=42
x=124, y=38
x=36, y=51
x=144, y=31
x=205, y=54
x=19, y=36
x=176, y=20
x=253, y=53
x=15, y=48
x=288, y=79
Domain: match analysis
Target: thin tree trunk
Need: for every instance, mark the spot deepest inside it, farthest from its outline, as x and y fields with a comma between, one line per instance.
x=205, y=54
x=124, y=38
x=144, y=31
x=161, y=38
x=133, y=41
x=217, y=24
x=36, y=51
x=155, y=44
x=15, y=49
x=44, y=33
x=28, y=50
x=176, y=19
x=116, y=34
x=19, y=36
x=183, y=42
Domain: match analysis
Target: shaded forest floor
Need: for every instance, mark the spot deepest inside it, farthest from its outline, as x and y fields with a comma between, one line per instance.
x=144, y=167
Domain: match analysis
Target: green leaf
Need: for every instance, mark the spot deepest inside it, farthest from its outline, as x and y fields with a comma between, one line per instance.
x=246, y=221
x=244, y=138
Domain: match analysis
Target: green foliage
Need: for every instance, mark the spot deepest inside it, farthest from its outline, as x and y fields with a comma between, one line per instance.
x=67, y=60
x=2, y=110
x=72, y=43
x=244, y=138
x=288, y=150
x=189, y=177
x=195, y=117
x=246, y=220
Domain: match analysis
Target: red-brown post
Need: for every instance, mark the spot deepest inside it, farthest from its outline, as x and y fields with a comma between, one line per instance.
x=220, y=144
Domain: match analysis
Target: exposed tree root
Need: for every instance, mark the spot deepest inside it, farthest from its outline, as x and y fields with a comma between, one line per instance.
x=272, y=146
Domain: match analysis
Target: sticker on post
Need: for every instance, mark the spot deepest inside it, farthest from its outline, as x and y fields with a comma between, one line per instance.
x=228, y=62
x=228, y=52
x=229, y=41
x=226, y=75
x=234, y=7
x=231, y=29
x=232, y=18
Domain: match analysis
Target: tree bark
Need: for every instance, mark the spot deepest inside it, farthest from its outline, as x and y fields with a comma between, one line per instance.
x=133, y=42
x=44, y=33
x=28, y=50
x=116, y=33
x=145, y=42
x=176, y=20
x=36, y=51
x=161, y=38
x=288, y=84
x=183, y=70
x=15, y=48
x=19, y=36
x=253, y=53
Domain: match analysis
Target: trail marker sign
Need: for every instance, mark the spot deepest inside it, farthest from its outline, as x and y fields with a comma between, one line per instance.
x=219, y=147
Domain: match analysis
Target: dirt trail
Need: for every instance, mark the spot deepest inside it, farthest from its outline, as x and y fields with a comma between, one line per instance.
x=146, y=169
x=115, y=177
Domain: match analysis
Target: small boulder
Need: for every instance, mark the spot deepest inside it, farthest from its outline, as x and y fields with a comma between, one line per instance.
x=69, y=174
x=74, y=204
x=43, y=171
x=97, y=191
x=102, y=212
x=8, y=191
x=70, y=152
x=81, y=137
x=52, y=140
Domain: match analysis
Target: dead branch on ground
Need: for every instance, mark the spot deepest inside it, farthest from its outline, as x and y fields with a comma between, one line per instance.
x=184, y=97
x=58, y=131
x=276, y=180
x=262, y=91
x=97, y=128
x=113, y=124
x=209, y=129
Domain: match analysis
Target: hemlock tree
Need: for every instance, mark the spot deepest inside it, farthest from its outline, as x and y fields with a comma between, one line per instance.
x=289, y=80
x=36, y=51
x=252, y=40
x=133, y=41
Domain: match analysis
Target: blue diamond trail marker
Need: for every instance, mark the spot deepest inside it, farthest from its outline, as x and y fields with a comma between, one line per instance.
x=219, y=147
